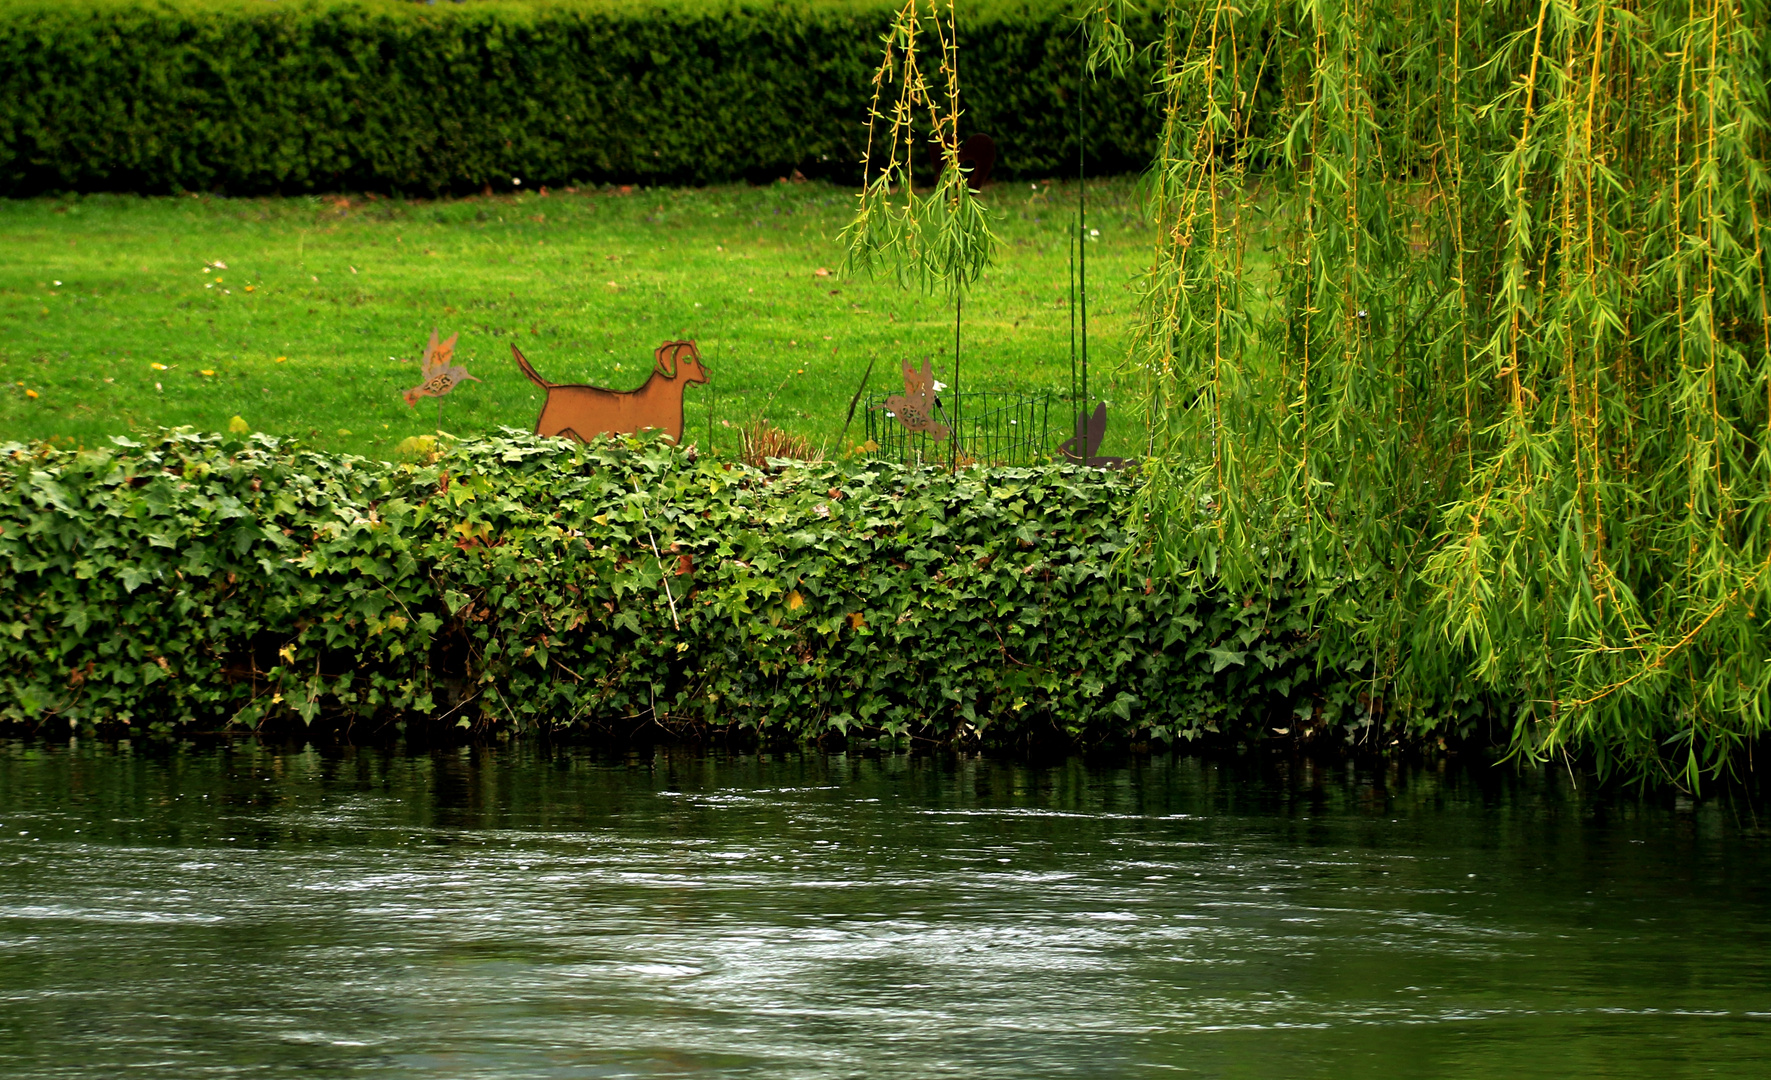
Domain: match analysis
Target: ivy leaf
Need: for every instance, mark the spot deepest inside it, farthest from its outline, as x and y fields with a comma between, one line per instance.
x=1222, y=658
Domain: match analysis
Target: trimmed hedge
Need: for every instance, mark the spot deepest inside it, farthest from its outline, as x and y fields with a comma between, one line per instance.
x=255, y=96
x=522, y=583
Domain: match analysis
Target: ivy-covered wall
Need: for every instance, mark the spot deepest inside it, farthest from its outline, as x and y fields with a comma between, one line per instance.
x=258, y=96
x=521, y=583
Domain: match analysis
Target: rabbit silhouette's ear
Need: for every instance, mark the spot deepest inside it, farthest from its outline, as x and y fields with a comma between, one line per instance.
x=1097, y=427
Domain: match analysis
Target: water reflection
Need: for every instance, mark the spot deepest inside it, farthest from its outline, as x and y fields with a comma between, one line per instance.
x=550, y=912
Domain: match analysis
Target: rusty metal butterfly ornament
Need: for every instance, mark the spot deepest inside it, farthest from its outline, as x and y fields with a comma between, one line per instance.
x=437, y=375
x=915, y=407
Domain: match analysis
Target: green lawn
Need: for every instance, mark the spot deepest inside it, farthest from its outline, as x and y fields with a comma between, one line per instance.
x=303, y=331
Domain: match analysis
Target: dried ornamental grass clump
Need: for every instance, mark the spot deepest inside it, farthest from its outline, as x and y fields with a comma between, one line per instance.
x=760, y=441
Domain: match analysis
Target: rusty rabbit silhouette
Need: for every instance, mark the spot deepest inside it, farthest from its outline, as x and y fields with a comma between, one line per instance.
x=1090, y=430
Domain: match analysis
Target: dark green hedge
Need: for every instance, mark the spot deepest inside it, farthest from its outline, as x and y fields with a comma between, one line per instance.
x=258, y=96
x=521, y=583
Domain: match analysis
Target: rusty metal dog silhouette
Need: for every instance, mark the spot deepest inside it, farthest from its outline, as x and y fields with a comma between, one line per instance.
x=583, y=412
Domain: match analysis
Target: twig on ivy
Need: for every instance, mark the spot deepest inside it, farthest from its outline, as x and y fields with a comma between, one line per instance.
x=663, y=575
x=398, y=601
x=459, y=707
x=856, y=400
x=506, y=704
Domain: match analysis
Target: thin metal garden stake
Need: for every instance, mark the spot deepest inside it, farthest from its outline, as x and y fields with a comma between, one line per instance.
x=721, y=338
x=1082, y=213
x=958, y=427
x=1074, y=413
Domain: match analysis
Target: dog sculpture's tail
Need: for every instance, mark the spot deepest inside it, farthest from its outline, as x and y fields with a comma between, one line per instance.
x=533, y=375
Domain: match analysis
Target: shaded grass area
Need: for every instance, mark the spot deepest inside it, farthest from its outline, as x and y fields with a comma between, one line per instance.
x=313, y=327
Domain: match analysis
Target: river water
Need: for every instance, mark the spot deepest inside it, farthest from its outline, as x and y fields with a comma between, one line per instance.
x=248, y=911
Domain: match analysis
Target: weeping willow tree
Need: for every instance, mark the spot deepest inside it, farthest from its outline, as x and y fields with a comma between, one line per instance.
x=1458, y=314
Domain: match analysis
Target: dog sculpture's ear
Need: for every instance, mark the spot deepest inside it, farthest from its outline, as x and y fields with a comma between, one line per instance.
x=667, y=355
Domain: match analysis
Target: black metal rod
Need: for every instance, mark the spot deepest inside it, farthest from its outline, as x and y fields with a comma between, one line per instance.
x=1073, y=413
x=958, y=426
x=1082, y=215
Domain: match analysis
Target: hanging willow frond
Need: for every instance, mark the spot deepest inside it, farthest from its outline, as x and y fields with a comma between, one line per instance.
x=1109, y=45
x=940, y=240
